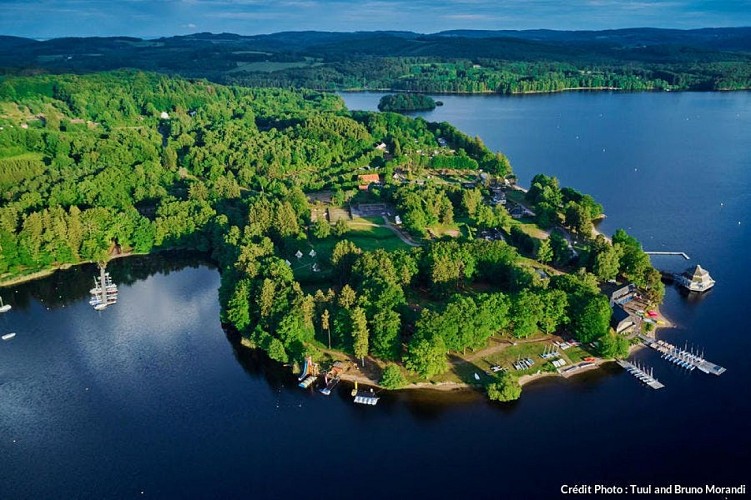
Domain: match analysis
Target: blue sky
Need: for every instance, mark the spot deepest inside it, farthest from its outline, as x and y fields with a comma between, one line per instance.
x=152, y=18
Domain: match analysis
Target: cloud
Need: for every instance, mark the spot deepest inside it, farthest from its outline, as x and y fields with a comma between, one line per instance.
x=145, y=18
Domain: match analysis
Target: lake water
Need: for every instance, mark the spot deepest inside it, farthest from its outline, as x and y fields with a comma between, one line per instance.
x=151, y=398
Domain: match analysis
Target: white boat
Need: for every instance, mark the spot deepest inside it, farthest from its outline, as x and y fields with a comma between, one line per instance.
x=100, y=307
x=4, y=307
x=9, y=336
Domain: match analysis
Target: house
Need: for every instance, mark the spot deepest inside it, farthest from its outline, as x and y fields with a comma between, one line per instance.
x=623, y=295
x=621, y=320
x=519, y=212
x=695, y=279
x=365, y=180
x=164, y=115
x=382, y=147
x=498, y=197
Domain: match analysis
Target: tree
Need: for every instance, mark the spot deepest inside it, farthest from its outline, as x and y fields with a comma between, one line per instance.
x=238, y=308
x=507, y=388
x=392, y=377
x=592, y=321
x=340, y=228
x=325, y=324
x=360, y=333
x=544, y=251
x=526, y=312
x=321, y=228
x=554, y=310
x=613, y=345
x=471, y=200
x=426, y=356
x=606, y=260
x=347, y=297
x=385, y=329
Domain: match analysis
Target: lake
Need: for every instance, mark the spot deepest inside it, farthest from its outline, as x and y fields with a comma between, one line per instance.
x=152, y=398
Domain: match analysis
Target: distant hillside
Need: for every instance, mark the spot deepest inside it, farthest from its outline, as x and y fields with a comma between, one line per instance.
x=467, y=61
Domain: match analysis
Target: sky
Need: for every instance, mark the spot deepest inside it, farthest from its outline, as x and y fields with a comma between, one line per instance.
x=154, y=18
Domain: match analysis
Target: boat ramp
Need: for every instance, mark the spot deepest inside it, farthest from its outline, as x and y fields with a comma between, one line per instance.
x=641, y=374
x=684, y=358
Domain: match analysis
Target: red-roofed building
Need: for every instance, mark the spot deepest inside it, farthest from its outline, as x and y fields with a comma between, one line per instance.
x=366, y=180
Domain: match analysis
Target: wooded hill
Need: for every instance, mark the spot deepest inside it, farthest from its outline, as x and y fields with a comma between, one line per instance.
x=451, y=61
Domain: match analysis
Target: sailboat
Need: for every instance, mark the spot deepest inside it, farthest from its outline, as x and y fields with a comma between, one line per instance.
x=4, y=307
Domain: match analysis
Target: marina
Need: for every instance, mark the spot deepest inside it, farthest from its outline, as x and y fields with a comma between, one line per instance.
x=641, y=374
x=685, y=358
x=104, y=293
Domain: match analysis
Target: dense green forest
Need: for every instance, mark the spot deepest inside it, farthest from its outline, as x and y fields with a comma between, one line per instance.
x=142, y=162
x=406, y=102
x=506, y=62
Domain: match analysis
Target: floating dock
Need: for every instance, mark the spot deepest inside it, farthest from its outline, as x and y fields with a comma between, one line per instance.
x=641, y=374
x=366, y=398
x=307, y=382
x=682, y=357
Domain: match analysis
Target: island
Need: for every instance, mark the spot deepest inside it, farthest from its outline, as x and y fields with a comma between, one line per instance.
x=401, y=103
x=399, y=248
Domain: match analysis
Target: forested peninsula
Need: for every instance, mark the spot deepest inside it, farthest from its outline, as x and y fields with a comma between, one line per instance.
x=400, y=103
x=373, y=237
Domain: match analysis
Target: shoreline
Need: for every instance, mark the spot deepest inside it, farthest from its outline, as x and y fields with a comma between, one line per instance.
x=358, y=376
x=518, y=94
x=45, y=273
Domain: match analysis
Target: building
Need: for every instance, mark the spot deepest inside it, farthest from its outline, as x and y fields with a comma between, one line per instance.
x=695, y=279
x=365, y=180
x=623, y=295
x=621, y=320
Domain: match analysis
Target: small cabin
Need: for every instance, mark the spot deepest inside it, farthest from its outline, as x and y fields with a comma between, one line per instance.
x=365, y=180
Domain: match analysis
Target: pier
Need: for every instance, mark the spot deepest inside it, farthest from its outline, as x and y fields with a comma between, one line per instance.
x=104, y=292
x=682, y=254
x=685, y=359
x=641, y=374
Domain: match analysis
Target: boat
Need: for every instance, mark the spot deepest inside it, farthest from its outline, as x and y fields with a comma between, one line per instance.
x=9, y=336
x=330, y=384
x=4, y=307
x=100, y=307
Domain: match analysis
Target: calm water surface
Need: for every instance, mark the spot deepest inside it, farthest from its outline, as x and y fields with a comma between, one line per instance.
x=151, y=398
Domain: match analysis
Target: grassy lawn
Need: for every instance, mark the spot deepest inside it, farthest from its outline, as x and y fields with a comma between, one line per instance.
x=577, y=354
x=445, y=229
x=365, y=237
x=515, y=196
x=508, y=356
x=532, y=230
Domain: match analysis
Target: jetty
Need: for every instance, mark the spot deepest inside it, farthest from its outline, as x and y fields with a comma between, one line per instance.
x=682, y=254
x=685, y=358
x=104, y=292
x=641, y=374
